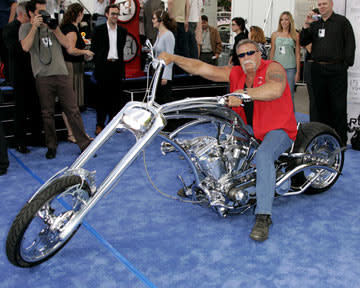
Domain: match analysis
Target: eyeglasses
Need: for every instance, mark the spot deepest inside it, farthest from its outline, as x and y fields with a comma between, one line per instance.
x=115, y=14
x=249, y=53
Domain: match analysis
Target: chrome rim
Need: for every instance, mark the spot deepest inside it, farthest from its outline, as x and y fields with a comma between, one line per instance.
x=328, y=147
x=41, y=237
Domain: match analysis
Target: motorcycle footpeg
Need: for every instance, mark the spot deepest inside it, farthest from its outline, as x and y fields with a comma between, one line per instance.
x=186, y=191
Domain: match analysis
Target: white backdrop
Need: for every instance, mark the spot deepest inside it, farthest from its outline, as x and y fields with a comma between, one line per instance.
x=353, y=14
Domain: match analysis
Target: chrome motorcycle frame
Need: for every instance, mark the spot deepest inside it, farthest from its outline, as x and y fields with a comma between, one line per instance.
x=145, y=121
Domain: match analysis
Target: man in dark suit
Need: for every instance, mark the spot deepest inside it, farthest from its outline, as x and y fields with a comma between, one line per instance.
x=4, y=160
x=26, y=98
x=108, y=45
x=7, y=15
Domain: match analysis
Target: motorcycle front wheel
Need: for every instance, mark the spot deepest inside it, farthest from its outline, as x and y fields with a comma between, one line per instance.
x=318, y=139
x=34, y=235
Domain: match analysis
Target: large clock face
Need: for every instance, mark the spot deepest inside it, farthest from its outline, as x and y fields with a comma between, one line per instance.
x=131, y=48
x=127, y=10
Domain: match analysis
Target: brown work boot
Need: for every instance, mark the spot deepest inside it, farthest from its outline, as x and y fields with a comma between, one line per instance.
x=260, y=231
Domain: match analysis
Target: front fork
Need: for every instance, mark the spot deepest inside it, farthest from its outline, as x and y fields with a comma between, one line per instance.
x=145, y=122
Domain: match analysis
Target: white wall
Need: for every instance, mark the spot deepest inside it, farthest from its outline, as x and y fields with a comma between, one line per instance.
x=255, y=12
x=353, y=14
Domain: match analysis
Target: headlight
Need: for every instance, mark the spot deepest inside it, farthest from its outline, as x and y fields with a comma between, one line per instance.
x=137, y=119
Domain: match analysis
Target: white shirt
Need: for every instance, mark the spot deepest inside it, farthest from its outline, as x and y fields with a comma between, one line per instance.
x=195, y=10
x=99, y=8
x=113, y=53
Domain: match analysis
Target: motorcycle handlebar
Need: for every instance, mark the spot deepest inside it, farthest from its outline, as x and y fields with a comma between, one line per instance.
x=242, y=96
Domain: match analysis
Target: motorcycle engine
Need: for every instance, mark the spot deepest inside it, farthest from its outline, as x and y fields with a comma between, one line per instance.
x=208, y=156
x=214, y=159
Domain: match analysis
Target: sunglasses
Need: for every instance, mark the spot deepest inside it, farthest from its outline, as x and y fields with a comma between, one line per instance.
x=249, y=53
x=115, y=14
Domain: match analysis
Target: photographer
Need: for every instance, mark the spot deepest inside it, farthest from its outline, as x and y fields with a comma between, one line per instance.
x=43, y=39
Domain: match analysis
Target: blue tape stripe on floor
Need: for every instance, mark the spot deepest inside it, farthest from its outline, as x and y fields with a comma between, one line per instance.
x=27, y=169
x=94, y=232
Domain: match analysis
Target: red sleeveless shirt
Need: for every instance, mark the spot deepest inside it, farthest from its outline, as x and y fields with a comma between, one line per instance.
x=267, y=115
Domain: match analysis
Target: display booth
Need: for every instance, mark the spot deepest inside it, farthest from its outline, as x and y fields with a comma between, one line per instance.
x=129, y=19
x=353, y=14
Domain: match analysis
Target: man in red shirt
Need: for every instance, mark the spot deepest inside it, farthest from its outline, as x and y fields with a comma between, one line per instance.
x=270, y=115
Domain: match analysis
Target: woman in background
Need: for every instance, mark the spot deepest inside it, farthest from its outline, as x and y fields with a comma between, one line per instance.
x=165, y=42
x=285, y=49
x=257, y=34
x=238, y=27
x=75, y=54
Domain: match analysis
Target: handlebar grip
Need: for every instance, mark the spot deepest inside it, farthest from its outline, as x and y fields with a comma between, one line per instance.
x=242, y=96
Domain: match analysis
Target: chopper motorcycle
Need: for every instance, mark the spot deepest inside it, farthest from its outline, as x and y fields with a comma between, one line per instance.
x=222, y=164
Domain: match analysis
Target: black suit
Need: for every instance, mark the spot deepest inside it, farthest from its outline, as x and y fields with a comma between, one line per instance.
x=26, y=98
x=108, y=74
x=4, y=160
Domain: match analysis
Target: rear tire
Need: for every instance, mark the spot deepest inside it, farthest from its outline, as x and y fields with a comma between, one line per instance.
x=314, y=137
x=47, y=213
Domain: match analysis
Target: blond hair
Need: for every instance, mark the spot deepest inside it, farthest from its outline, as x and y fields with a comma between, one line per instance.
x=292, y=30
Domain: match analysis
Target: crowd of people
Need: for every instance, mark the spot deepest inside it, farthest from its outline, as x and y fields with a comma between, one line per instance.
x=184, y=37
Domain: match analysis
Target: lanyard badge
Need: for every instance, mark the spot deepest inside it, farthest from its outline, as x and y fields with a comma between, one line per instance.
x=321, y=33
x=282, y=50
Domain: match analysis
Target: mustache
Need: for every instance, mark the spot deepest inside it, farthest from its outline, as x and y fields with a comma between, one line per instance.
x=248, y=61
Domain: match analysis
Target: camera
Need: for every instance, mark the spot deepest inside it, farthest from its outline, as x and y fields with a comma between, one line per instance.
x=51, y=22
x=316, y=17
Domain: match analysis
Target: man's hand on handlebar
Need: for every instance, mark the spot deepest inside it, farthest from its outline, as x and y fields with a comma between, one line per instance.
x=236, y=98
x=234, y=101
x=166, y=57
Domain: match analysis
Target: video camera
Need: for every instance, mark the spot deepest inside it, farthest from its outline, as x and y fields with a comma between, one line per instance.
x=51, y=22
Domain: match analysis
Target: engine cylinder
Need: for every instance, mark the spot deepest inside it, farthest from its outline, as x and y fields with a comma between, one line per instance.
x=238, y=195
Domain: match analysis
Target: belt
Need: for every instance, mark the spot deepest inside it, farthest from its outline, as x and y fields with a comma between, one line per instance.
x=207, y=53
x=112, y=60
x=328, y=62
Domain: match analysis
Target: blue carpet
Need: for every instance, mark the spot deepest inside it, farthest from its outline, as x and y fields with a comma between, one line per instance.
x=158, y=242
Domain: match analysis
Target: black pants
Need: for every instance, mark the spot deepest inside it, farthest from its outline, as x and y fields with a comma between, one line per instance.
x=27, y=105
x=4, y=160
x=181, y=40
x=110, y=99
x=4, y=56
x=329, y=83
x=207, y=58
x=164, y=93
x=310, y=89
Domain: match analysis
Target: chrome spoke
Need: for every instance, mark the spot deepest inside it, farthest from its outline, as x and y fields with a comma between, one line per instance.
x=41, y=237
x=325, y=146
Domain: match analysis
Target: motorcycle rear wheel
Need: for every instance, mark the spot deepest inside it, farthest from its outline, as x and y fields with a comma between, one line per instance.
x=34, y=235
x=319, y=138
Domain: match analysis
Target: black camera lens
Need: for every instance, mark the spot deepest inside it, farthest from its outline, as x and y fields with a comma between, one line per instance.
x=51, y=22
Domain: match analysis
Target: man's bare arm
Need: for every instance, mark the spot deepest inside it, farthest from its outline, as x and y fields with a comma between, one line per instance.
x=28, y=41
x=275, y=83
x=170, y=8
x=12, y=12
x=62, y=38
x=197, y=67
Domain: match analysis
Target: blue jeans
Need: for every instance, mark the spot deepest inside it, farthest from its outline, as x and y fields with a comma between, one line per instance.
x=275, y=142
x=290, y=74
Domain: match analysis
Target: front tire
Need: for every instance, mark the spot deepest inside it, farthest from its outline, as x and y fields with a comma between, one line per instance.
x=318, y=138
x=34, y=235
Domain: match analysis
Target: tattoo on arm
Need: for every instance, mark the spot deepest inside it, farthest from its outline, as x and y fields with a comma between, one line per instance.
x=276, y=76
